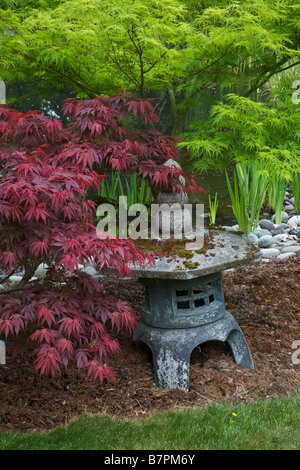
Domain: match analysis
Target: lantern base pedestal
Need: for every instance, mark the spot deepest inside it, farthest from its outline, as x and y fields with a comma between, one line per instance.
x=171, y=348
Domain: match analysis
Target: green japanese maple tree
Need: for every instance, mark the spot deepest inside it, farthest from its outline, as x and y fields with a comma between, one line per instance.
x=180, y=48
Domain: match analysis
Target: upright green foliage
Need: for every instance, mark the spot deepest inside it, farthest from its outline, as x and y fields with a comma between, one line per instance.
x=296, y=191
x=136, y=190
x=276, y=193
x=213, y=207
x=247, y=195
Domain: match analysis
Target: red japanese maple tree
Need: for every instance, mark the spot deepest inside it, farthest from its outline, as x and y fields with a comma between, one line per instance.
x=45, y=218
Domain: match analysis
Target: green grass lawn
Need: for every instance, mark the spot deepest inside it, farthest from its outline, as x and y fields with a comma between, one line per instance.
x=264, y=425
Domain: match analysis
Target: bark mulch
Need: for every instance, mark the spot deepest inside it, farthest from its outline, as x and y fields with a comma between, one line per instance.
x=265, y=300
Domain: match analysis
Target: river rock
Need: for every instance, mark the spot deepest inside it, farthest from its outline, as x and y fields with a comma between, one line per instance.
x=265, y=241
x=285, y=255
x=170, y=198
x=90, y=270
x=40, y=272
x=291, y=249
x=15, y=278
x=289, y=208
x=278, y=230
x=253, y=238
x=234, y=228
x=294, y=221
x=262, y=232
x=284, y=216
x=284, y=238
x=171, y=164
x=266, y=224
x=269, y=252
x=294, y=231
x=257, y=233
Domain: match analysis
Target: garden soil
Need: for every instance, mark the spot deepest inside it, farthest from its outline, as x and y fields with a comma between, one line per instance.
x=265, y=300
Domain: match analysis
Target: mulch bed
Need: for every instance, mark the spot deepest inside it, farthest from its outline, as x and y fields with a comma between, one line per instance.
x=264, y=298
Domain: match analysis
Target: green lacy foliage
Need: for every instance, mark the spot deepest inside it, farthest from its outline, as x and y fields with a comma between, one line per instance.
x=182, y=46
x=242, y=130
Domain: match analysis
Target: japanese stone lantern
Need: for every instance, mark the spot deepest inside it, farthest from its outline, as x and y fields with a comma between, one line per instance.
x=185, y=305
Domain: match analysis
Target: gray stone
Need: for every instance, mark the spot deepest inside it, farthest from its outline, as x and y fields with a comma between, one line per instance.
x=291, y=249
x=173, y=164
x=40, y=272
x=257, y=233
x=294, y=221
x=170, y=198
x=15, y=278
x=263, y=232
x=265, y=241
x=269, y=252
x=253, y=238
x=284, y=216
x=289, y=208
x=278, y=230
x=266, y=224
x=284, y=238
x=292, y=200
x=285, y=255
x=294, y=231
x=90, y=270
x=228, y=228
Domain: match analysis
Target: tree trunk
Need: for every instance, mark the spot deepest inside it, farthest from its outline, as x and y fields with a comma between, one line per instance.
x=179, y=124
x=178, y=117
x=29, y=272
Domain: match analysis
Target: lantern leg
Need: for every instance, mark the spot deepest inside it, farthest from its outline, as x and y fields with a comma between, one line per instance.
x=171, y=348
x=170, y=353
x=239, y=348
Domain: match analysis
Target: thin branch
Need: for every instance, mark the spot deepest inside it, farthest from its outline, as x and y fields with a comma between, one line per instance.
x=117, y=63
x=15, y=289
x=270, y=74
x=140, y=54
x=83, y=86
x=7, y=277
x=288, y=67
x=154, y=63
